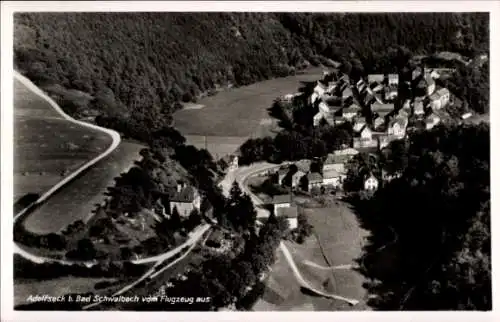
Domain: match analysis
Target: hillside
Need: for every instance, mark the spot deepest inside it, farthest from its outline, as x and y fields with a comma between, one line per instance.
x=137, y=66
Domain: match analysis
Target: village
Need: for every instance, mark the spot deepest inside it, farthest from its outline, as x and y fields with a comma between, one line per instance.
x=381, y=108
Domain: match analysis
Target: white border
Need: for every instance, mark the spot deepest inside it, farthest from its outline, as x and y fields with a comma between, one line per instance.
x=7, y=9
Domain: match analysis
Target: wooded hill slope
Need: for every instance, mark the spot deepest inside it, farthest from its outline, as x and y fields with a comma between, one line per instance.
x=139, y=65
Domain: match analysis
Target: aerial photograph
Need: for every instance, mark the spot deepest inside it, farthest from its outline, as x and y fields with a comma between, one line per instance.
x=251, y=161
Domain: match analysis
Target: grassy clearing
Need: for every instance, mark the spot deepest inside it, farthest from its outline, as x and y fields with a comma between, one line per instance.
x=239, y=112
x=46, y=146
x=79, y=198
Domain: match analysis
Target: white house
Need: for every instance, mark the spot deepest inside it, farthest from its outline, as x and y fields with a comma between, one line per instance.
x=332, y=178
x=397, y=127
x=390, y=93
x=323, y=107
x=185, y=199
x=314, y=179
x=366, y=133
x=440, y=98
x=319, y=88
x=393, y=80
x=351, y=111
x=371, y=183
x=281, y=201
x=372, y=78
x=378, y=122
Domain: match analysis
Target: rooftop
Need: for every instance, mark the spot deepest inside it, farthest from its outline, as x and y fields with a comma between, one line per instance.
x=332, y=173
x=314, y=177
x=278, y=199
x=336, y=158
x=288, y=212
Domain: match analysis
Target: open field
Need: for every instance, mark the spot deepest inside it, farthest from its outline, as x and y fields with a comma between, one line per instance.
x=342, y=239
x=283, y=292
x=238, y=112
x=47, y=147
x=79, y=197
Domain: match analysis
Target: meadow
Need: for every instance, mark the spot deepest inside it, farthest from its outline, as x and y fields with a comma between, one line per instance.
x=47, y=147
x=79, y=198
x=234, y=115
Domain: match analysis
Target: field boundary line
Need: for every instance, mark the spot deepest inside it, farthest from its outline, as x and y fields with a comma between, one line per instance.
x=116, y=139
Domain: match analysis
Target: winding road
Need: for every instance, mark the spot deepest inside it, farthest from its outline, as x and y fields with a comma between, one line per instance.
x=240, y=175
x=116, y=140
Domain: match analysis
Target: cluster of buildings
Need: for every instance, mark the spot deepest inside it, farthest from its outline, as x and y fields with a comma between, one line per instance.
x=307, y=175
x=374, y=106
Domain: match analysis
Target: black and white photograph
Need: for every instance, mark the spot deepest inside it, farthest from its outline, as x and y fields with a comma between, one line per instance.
x=247, y=160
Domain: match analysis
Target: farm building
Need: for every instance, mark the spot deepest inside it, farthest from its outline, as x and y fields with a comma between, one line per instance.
x=186, y=198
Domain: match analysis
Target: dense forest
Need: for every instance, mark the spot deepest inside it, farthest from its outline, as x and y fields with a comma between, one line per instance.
x=139, y=66
x=430, y=244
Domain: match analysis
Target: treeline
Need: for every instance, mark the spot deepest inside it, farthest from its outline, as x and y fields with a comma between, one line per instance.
x=228, y=282
x=297, y=144
x=471, y=84
x=138, y=66
x=432, y=223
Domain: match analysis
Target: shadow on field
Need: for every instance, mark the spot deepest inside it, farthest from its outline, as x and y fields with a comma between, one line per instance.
x=379, y=259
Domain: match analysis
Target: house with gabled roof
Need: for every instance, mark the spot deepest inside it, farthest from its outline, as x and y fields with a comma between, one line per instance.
x=281, y=201
x=332, y=178
x=393, y=80
x=378, y=122
x=379, y=78
x=336, y=162
x=390, y=93
x=439, y=98
x=359, y=123
x=185, y=199
x=397, y=127
x=314, y=179
x=320, y=88
x=351, y=111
